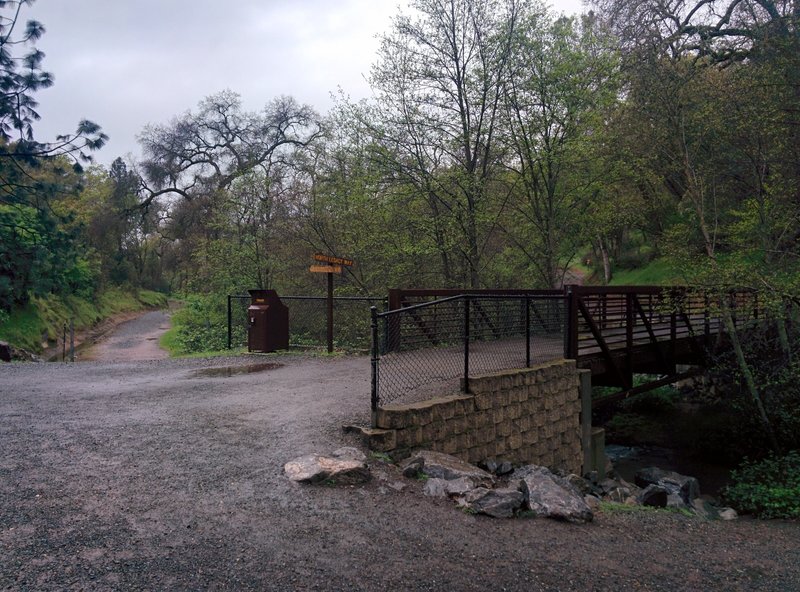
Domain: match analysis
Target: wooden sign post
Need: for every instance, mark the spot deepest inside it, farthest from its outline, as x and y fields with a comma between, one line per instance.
x=334, y=265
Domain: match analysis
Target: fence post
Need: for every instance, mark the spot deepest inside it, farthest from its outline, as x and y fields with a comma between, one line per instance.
x=72, y=340
x=330, y=313
x=374, y=361
x=466, y=344
x=571, y=326
x=64, y=344
x=230, y=323
x=630, y=320
x=527, y=331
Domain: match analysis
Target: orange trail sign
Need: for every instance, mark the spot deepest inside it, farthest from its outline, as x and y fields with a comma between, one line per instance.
x=333, y=260
x=325, y=269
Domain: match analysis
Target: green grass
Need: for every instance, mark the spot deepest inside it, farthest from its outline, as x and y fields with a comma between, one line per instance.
x=43, y=319
x=617, y=508
x=657, y=273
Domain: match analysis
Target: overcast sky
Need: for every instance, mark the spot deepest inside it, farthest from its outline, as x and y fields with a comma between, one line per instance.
x=127, y=63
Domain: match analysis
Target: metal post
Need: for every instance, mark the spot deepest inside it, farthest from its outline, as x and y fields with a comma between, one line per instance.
x=375, y=358
x=466, y=344
x=64, y=344
x=527, y=332
x=571, y=326
x=330, y=313
x=230, y=323
x=72, y=340
x=629, y=322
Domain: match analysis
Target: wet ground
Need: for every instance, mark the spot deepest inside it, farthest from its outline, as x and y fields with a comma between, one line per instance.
x=158, y=475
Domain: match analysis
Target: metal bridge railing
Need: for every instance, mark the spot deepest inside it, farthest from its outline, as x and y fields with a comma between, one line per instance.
x=421, y=351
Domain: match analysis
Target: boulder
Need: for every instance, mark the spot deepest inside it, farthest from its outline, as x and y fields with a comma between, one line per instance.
x=549, y=496
x=705, y=509
x=497, y=503
x=581, y=484
x=489, y=465
x=447, y=487
x=654, y=496
x=688, y=488
x=315, y=468
x=349, y=453
x=592, y=501
x=443, y=466
x=505, y=468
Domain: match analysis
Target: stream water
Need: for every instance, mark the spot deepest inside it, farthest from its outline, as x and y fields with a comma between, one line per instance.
x=628, y=459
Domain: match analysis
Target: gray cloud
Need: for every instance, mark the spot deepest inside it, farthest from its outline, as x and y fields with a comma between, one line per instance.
x=125, y=64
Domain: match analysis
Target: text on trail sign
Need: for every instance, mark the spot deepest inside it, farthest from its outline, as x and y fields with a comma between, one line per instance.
x=333, y=260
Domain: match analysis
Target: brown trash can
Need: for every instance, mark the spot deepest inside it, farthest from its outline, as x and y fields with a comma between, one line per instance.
x=267, y=322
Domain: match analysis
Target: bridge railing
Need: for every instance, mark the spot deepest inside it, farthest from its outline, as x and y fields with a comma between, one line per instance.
x=423, y=348
x=618, y=331
x=427, y=349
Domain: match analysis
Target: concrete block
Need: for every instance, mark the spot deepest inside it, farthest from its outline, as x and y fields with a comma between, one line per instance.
x=450, y=445
x=499, y=415
x=484, y=401
x=504, y=428
x=391, y=419
x=429, y=432
x=444, y=411
x=424, y=416
x=381, y=440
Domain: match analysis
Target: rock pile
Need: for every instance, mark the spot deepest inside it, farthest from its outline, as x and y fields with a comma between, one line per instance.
x=505, y=492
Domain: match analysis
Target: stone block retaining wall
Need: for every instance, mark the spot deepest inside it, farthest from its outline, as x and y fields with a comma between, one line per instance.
x=527, y=416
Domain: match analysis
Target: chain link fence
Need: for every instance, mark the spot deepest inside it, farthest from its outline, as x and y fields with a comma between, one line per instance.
x=308, y=320
x=433, y=348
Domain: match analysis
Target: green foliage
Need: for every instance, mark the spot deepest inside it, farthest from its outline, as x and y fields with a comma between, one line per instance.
x=657, y=401
x=43, y=318
x=769, y=488
x=201, y=325
x=659, y=272
x=617, y=508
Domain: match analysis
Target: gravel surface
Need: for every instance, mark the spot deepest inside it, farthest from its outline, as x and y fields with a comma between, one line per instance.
x=155, y=476
x=136, y=339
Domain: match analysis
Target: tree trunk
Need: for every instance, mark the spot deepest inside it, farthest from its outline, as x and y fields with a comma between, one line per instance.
x=750, y=382
x=606, y=260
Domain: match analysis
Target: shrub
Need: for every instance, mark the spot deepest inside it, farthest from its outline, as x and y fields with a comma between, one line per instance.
x=769, y=488
x=201, y=325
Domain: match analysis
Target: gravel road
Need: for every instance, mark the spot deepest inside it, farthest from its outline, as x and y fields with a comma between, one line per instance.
x=136, y=339
x=158, y=476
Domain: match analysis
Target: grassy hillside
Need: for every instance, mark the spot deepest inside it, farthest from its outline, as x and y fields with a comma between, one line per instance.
x=43, y=319
x=656, y=273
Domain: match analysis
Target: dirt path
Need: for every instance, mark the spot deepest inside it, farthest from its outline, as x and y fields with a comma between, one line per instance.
x=151, y=475
x=132, y=340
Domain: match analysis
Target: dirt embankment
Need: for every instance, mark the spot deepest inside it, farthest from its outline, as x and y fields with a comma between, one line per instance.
x=129, y=336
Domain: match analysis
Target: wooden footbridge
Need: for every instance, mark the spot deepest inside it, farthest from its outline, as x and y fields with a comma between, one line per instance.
x=615, y=332
x=621, y=331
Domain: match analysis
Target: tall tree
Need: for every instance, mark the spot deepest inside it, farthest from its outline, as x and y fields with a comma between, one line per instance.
x=561, y=86
x=205, y=152
x=438, y=83
x=33, y=173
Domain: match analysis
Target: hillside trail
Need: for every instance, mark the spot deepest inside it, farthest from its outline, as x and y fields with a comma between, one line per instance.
x=132, y=340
